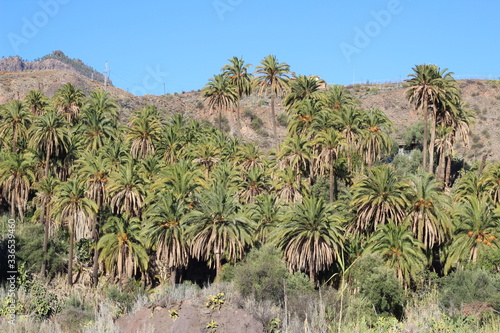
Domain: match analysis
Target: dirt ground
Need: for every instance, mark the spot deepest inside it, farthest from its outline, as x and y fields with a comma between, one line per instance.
x=193, y=316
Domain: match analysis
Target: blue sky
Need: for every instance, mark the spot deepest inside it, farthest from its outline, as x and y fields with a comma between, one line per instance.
x=178, y=45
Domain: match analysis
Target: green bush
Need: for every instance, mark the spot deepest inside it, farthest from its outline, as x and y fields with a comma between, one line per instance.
x=262, y=274
x=467, y=286
x=378, y=284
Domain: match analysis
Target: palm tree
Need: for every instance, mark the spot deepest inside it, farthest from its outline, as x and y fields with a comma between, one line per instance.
x=399, y=249
x=430, y=216
x=304, y=88
x=267, y=213
x=100, y=102
x=272, y=78
x=350, y=123
x=337, y=98
x=121, y=246
x=164, y=232
x=254, y=182
x=430, y=87
x=206, y=155
x=144, y=132
x=73, y=208
x=94, y=169
x=46, y=191
x=97, y=128
x=36, y=102
x=16, y=120
x=16, y=179
x=377, y=198
x=220, y=94
x=286, y=186
x=237, y=75
x=491, y=178
x=304, y=117
x=126, y=190
x=181, y=179
x=249, y=156
x=68, y=101
x=375, y=139
x=328, y=144
x=296, y=154
x=476, y=229
x=218, y=229
x=311, y=236
x=48, y=134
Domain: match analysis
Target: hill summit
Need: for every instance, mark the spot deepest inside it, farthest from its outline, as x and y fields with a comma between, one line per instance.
x=55, y=60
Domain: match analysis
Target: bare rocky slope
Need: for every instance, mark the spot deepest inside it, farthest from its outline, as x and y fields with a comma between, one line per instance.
x=483, y=96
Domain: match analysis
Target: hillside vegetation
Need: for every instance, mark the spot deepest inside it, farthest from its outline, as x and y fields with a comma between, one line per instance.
x=265, y=197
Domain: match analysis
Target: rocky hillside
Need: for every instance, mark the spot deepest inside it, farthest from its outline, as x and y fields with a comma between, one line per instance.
x=55, y=60
x=483, y=96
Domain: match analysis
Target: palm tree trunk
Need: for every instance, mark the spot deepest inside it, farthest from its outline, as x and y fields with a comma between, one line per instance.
x=47, y=161
x=433, y=139
x=331, y=183
x=426, y=134
x=218, y=266
x=173, y=276
x=447, y=177
x=45, y=223
x=312, y=275
x=273, y=116
x=220, y=119
x=441, y=170
x=95, y=264
x=71, y=245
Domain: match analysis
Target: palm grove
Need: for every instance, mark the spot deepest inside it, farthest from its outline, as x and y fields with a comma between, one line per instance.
x=153, y=194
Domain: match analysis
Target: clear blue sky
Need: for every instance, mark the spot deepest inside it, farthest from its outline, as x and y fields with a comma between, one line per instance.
x=183, y=43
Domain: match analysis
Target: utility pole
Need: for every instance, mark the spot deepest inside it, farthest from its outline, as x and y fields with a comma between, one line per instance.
x=105, y=75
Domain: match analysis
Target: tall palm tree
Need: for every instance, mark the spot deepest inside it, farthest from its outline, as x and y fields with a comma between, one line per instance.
x=68, y=101
x=97, y=128
x=267, y=213
x=218, y=229
x=399, y=249
x=430, y=87
x=72, y=207
x=491, y=178
x=206, y=155
x=100, y=102
x=430, y=216
x=122, y=247
x=377, y=198
x=49, y=134
x=16, y=180
x=144, y=132
x=287, y=187
x=249, y=156
x=304, y=88
x=375, y=139
x=296, y=153
x=16, y=120
x=254, y=182
x=237, y=75
x=126, y=190
x=36, y=102
x=272, y=78
x=46, y=191
x=220, y=94
x=350, y=123
x=476, y=229
x=94, y=169
x=311, y=236
x=327, y=144
x=337, y=98
x=164, y=232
